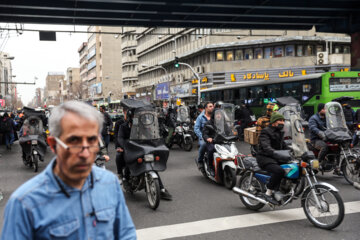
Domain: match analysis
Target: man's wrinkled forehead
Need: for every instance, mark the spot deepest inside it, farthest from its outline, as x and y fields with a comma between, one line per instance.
x=74, y=122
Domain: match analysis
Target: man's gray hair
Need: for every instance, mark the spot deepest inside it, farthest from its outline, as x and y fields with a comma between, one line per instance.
x=79, y=108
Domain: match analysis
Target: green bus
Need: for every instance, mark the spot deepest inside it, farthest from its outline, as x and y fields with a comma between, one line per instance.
x=309, y=90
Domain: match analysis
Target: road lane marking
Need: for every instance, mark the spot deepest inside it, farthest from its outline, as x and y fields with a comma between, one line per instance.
x=229, y=223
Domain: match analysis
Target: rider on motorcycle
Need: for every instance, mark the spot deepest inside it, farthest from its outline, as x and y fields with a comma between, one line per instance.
x=122, y=137
x=270, y=141
x=317, y=126
x=208, y=134
x=264, y=121
x=198, y=128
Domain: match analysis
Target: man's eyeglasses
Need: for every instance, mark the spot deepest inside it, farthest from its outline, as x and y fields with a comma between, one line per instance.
x=76, y=149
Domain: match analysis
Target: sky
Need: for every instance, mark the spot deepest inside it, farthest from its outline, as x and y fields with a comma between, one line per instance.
x=35, y=58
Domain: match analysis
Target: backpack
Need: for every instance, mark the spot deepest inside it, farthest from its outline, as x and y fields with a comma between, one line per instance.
x=5, y=125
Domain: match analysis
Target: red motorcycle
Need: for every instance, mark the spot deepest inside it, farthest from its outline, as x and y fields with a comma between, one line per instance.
x=338, y=139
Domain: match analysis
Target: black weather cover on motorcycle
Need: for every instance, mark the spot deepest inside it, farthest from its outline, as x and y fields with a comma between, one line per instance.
x=33, y=132
x=337, y=130
x=224, y=125
x=145, y=140
x=183, y=114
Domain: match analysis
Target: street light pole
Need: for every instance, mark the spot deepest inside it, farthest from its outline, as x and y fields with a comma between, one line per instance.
x=198, y=78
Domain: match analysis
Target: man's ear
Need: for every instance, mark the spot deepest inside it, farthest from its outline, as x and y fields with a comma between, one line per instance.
x=52, y=143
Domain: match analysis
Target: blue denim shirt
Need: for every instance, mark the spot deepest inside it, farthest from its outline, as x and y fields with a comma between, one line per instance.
x=199, y=124
x=39, y=209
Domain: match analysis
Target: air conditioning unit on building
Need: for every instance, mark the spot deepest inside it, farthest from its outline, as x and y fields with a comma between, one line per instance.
x=199, y=69
x=322, y=58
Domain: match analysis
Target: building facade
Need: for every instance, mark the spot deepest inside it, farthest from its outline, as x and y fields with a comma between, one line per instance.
x=54, y=88
x=6, y=90
x=74, y=86
x=104, y=67
x=83, y=52
x=222, y=56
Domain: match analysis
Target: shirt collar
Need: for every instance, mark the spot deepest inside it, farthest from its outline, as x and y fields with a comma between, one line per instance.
x=55, y=181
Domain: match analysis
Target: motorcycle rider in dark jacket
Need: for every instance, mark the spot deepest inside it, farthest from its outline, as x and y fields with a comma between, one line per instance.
x=271, y=139
x=123, y=135
x=107, y=126
x=317, y=126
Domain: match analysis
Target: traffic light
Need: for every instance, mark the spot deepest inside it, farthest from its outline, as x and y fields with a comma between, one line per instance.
x=176, y=62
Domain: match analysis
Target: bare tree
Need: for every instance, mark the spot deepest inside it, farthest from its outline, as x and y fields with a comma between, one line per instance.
x=78, y=90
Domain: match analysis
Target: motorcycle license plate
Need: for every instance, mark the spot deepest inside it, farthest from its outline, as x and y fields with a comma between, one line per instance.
x=34, y=142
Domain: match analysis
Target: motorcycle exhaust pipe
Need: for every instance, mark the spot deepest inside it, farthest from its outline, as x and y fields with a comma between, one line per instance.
x=249, y=195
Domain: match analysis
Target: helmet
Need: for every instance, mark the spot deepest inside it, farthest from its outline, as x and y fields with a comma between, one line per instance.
x=271, y=107
x=218, y=104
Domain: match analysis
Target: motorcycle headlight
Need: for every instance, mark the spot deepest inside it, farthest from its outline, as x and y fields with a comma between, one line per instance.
x=314, y=164
x=149, y=158
x=186, y=128
x=178, y=129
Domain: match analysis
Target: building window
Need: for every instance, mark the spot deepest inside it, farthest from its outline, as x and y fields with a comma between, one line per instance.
x=309, y=50
x=278, y=51
x=346, y=49
x=268, y=52
x=229, y=55
x=219, y=56
x=319, y=48
x=337, y=49
x=290, y=51
x=299, y=50
x=248, y=53
x=258, y=53
x=239, y=55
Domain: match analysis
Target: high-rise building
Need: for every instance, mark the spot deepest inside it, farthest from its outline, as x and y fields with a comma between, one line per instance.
x=83, y=52
x=104, y=69
x=74, y=86
x=6, y=90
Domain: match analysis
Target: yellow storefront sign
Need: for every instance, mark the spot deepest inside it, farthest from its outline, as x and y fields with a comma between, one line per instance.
x=233, y=79
x=250, y=76
x=287, y=73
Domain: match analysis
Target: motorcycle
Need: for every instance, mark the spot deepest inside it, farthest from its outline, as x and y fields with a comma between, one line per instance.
x=145, y=153
x=338, y=139
x=100, y=159
x=225, y=151
x=182, y=135
x=32, y=142
x=321, y=202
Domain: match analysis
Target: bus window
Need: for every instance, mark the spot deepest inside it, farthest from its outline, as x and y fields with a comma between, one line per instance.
x=310, y=88
x=293, y=89
x=256, y=96
x=243, y=95
x=273, y=91
x=228, y=95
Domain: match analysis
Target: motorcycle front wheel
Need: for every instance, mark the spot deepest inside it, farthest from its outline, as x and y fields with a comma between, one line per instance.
x=187, y=145
x=229, y=178
x=153, y=191
x=330, y=213
x=351, y=169
x=35, y=162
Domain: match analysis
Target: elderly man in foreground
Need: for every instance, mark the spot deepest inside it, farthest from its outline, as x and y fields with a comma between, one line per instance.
x=71, y=198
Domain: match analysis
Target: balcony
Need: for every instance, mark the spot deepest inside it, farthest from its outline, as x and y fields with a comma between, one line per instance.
x=126, y=44
x=126, y=59
x=129, y=74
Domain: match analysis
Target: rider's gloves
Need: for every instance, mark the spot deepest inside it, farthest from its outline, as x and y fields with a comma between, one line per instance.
x=322, y=135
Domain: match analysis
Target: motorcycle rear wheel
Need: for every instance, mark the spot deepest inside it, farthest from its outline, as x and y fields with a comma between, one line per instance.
x=35, y=162
x=256, y=187
x=323, y=193
x=229, y=178
x=153, y=191
x=348, y=168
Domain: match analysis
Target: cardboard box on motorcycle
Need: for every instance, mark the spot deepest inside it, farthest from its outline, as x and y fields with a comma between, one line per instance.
x=251, y=135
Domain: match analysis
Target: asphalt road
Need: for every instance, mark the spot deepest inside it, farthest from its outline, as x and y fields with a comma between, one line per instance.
x=197, y=202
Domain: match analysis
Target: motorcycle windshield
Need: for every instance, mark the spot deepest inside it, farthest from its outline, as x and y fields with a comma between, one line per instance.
x=145, y=126
x=33, y=126
x=287, y=111
x=229, y=109
x=297, y=134
x=183, y=114
x=334, y=115
x=224, y=123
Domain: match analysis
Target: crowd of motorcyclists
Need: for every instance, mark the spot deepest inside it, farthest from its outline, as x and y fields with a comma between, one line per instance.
x=145, y=133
